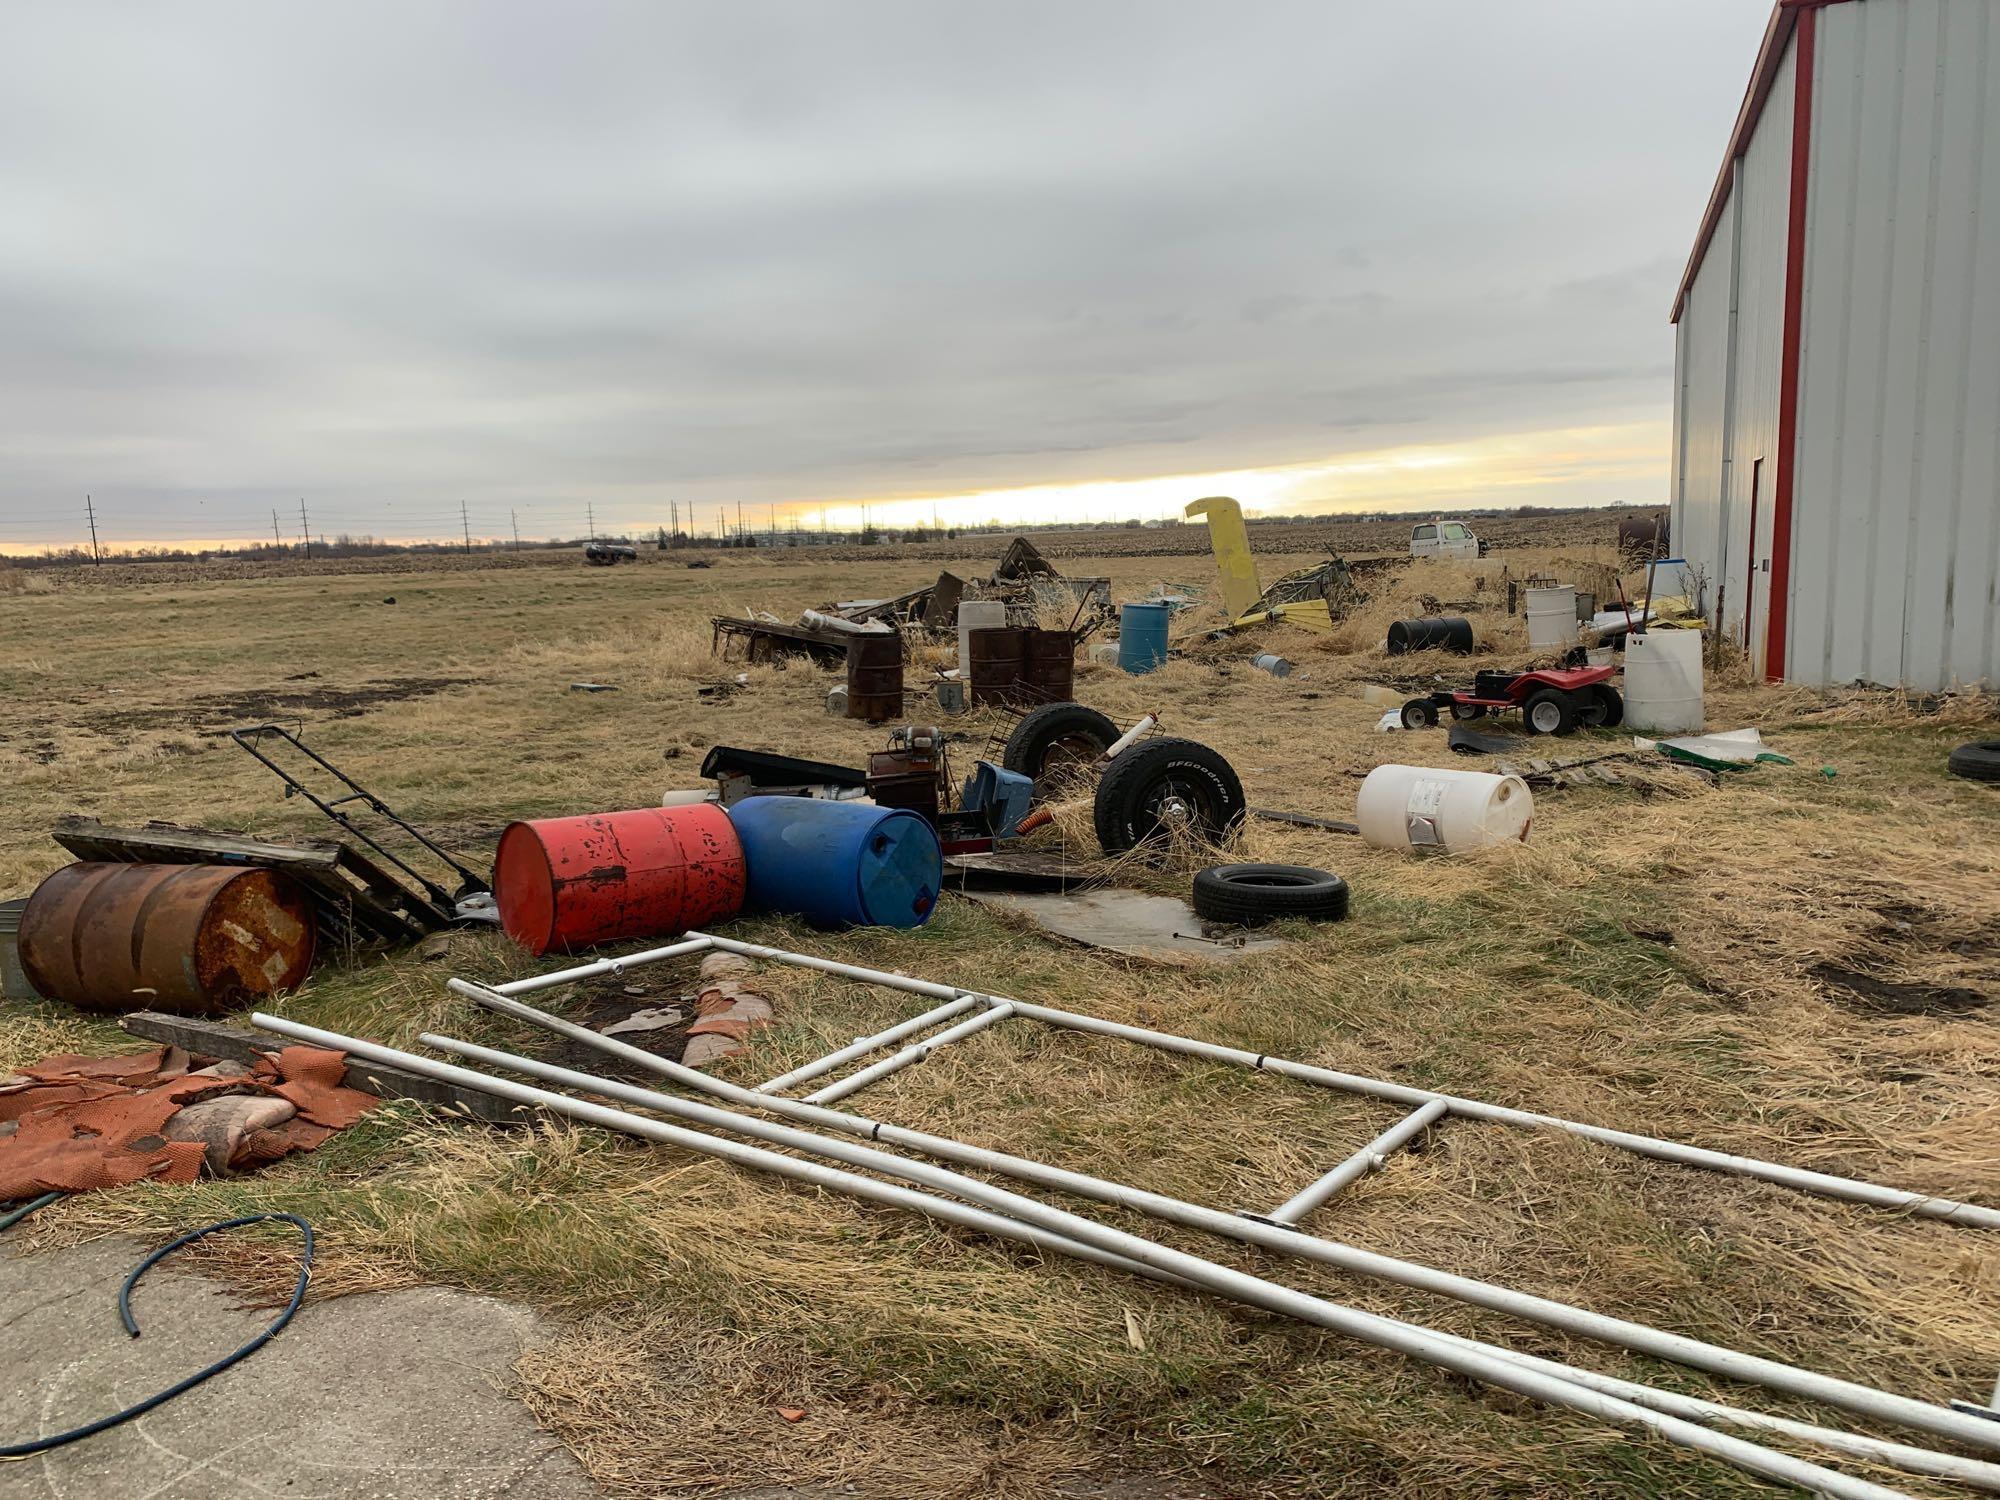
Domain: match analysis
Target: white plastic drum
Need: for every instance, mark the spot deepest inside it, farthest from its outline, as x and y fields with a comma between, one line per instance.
x=1552, y=618
x=976, y=614
x=1425, y=807
x=1663, y=682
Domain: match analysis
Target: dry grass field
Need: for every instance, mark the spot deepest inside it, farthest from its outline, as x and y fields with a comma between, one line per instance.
x=1696, y=961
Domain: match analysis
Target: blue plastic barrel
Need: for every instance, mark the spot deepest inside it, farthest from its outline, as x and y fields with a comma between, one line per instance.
x=838, y=864
x=1142, y=636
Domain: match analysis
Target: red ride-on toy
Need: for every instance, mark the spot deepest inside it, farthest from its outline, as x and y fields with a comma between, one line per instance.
x=1551, y=702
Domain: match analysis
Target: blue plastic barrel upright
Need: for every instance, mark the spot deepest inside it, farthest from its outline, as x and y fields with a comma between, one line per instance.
x=1142, y=636
x=839, y=864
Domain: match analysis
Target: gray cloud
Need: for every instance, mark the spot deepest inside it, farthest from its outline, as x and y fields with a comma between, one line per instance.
x=398, y=257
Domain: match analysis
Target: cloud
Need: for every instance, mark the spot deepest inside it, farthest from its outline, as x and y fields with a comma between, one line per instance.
x=493, y=252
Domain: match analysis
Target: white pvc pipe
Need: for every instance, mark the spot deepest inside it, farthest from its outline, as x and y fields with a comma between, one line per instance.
x=915, y=1052
x=862, y=1046
x=692, y=944
x=1824, y=1184
x=1064, y=1228
x=1919, y=1461
x=1638, y=1337
x=1124, y=741
x=1359, y=1165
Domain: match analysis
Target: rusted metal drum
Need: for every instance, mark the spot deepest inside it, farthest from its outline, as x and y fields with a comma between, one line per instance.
x=1048, y=665
x=192, y=939
x=565, y=883
x=875, y=677
x=996, y=664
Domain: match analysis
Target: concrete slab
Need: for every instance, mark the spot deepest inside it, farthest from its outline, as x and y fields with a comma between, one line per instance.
x=389, y=1396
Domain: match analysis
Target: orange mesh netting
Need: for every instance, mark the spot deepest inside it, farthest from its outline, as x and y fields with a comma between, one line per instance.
x=71, y=1124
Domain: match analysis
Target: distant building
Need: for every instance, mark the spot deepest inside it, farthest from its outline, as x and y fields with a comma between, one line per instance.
x=1837, y=351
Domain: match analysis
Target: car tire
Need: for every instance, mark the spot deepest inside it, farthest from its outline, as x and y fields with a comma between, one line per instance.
x=1158, y=783
x=1250, y=895
x=1070, y=735
x=1550, y=711
x=1978, y=761
x=1419, y=713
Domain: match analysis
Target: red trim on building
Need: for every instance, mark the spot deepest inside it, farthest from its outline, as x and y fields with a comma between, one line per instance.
x=1785, y=16
x=1778, y=606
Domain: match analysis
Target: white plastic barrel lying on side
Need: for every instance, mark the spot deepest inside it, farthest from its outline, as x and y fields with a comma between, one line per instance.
x=1663, y=682
x=1425, y=807
x=1552, y=617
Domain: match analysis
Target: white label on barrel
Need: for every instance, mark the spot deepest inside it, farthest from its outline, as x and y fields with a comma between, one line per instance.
x=1426, y=797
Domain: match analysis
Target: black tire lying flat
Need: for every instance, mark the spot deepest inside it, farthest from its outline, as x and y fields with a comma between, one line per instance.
x=1158, y=784
x=1978, y=761
x=1251, y=895
x=1056, y=736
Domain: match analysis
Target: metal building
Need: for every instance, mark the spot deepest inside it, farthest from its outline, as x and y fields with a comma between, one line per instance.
x=1837, y=351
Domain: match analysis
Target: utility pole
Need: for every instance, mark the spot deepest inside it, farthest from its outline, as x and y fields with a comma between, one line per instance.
x=277, y=540
x=590, y=512
x=721, y=524
x=514, y=517
x=305, y=529
x=739, y=520
x=674, y=514
x=90, y=510
x=465, y=526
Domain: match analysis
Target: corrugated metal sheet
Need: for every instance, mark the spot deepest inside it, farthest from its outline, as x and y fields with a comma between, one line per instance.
x=1897, y=509
x=1729, y=353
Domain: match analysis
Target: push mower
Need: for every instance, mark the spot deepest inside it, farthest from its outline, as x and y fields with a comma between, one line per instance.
x=1552, y=702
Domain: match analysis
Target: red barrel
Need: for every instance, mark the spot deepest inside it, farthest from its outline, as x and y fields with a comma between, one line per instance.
x=571, y=882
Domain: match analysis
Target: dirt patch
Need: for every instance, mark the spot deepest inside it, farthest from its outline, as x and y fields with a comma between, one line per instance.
x=216, y=713
x=1870, y=992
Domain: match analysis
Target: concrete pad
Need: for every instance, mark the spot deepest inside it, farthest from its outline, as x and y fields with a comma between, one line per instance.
x=389, y=1396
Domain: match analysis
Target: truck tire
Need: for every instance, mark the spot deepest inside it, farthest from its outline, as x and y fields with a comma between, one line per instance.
x=1057, y=738
x=1978, y=761
x=1161, y=784
x=1251, y=895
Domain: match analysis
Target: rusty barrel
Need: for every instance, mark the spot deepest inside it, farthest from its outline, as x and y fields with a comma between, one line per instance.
x=996, y=664
x=192, y=939
x=1048, y=665
x=565, y=883
x=875, y=677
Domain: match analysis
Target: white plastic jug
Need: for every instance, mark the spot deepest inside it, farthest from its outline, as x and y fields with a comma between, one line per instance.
x=976, y=614
x=1425, y=807
x=1663, y=682
x=1552, y=617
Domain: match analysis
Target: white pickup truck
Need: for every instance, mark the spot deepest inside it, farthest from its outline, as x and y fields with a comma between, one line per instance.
x=1444, y=539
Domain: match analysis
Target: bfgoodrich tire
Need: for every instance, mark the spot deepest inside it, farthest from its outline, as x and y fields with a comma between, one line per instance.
x=1057, y=737
x=1978, y=761
x=1251, y=895
x=1160, y=785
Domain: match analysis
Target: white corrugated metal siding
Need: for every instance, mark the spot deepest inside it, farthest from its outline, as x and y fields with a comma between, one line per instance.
x=1896, y=514
x=1728, y=357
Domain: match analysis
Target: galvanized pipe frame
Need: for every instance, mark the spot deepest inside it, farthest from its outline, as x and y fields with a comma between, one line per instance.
x=1824, y=1184
x=1636, y=1337
x=1015, y=1217
x=1973, y=1471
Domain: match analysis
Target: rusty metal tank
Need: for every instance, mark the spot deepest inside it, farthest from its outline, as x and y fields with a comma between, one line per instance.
x=566, y=883
x=1048, y=665
x=875, y=677
x=996, y=664
x=192, y=939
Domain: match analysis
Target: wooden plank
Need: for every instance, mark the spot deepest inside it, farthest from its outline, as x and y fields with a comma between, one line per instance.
x=217, y=1039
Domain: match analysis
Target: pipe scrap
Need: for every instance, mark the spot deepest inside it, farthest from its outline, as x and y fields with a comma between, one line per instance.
x=1012, y=1216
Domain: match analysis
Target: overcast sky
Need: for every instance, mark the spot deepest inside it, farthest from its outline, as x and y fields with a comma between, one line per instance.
x=399, y=257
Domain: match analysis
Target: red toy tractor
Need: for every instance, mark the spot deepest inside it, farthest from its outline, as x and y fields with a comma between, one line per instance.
x=1551, y=702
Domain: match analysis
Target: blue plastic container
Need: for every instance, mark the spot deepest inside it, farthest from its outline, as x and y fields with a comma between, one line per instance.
x=1142, y=636
x=839, y=864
